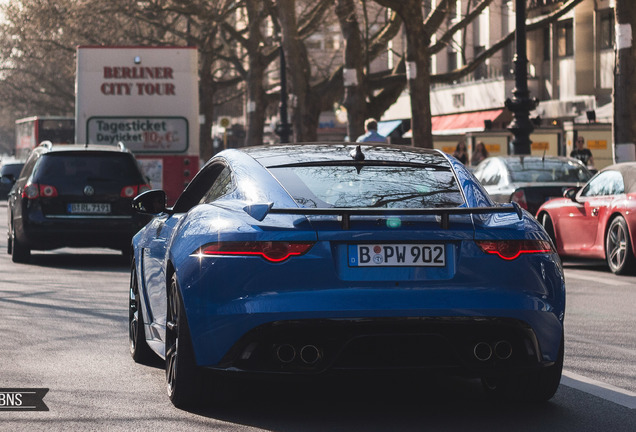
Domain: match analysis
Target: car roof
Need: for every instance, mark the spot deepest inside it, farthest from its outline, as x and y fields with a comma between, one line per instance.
x=628, y=171
x=285, y=154
x=531, y=158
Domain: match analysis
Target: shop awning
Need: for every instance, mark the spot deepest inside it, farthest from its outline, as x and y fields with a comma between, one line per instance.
x=457, y=124
x=464, y=122
x=386, y=127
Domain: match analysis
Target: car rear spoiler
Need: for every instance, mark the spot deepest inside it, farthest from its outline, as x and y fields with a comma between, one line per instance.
x=260, y=211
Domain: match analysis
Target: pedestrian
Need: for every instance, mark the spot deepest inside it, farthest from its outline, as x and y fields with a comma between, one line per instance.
x=479, y=154
x=460, y=152
x=582, y=153
x=372, y=135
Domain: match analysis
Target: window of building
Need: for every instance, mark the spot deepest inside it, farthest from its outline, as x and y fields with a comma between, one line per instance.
x=458, y=100
x=452, y=60
x=546, y=43
x=565, y=39
x=606, y=30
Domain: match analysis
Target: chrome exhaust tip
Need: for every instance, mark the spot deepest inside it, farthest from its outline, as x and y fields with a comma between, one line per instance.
x=482, y=351
x=285, y=353
x=503, y=350
x=310, y=354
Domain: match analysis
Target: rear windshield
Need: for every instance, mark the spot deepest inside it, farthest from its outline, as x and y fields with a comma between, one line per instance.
x=12, y=169
x=547, y=171
x=73, y=167
x=373, y=186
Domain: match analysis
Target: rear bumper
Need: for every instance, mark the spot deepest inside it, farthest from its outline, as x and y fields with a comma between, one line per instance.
x=397, y=328
x=468, y=346
x=40, y=233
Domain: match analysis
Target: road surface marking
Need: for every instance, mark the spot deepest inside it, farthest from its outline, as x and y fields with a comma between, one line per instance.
x=596, y=388
x=570, y=274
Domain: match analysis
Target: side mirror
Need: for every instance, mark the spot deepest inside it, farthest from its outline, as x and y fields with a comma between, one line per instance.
x=571, y=193
x=150, y=202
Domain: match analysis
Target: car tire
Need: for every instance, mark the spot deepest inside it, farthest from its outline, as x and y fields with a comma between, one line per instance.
x=9, y=243
x=546, y=221
x=20, y=253
x=536, y=386
x=183, y=376
x=618, y=249
x=139, y=349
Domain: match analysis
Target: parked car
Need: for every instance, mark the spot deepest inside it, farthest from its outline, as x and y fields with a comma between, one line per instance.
x=530, y=180
x=9, y=172
x=311, y=259
x=598, y=220
x=74, y=196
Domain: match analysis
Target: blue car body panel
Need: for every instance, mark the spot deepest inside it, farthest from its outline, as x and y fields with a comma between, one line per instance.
x=226, y=298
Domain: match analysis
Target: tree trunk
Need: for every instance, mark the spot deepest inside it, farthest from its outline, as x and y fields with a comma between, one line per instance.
x=418, y=76
x=256, y=98
x=298, y=71
x=206, y=102
x=354, y=60
x=625, y=83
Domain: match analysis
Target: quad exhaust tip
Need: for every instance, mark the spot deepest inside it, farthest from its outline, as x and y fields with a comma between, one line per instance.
x=310, y=354
x=307, y=354
x=484, y=351
x=285, y=353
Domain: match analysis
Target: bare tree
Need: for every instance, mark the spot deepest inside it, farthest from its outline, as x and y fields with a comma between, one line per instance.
x=625, y=83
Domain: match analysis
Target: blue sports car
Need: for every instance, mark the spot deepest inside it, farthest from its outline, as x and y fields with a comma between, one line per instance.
x=319, y=258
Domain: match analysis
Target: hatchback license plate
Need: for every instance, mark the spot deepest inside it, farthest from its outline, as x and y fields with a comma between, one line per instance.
x=89, y=208
x=397, y=255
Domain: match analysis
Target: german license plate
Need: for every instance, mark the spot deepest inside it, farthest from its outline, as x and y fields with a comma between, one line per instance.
x=89, y=208
x=397, y=255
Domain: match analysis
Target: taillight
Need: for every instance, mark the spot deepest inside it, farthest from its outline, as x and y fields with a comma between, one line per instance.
x=273, y=251
x=511, y=249
x=48, y=191
x=133, y=190
x=35, y=190
x=519, y=196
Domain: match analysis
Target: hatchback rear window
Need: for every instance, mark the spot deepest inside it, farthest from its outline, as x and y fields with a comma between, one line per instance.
x=72, y=167
x=371, y=186
x=547, y=171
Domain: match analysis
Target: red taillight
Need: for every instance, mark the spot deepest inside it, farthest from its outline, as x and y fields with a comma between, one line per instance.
x=35, y=190
x=48, y=191
x=133, y=190
x=519, y=196
x=274, y=251
x=511, y=249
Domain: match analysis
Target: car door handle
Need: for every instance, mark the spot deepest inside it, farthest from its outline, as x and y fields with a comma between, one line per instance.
x=595, y=211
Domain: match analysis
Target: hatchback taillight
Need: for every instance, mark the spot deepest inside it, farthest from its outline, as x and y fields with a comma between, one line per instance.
x=133, y=190
x=512, y=249
x=273, y=251
x=35, y=190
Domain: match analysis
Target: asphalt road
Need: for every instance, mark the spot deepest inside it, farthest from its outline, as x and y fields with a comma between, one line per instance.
x=63, y=321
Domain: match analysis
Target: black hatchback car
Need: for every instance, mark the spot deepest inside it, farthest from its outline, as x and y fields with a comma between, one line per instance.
x=74, y=196
x=530, y=180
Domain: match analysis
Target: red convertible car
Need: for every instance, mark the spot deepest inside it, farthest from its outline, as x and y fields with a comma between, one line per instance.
x=597, y=220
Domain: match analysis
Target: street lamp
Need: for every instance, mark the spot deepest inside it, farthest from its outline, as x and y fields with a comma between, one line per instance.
x=521, y=104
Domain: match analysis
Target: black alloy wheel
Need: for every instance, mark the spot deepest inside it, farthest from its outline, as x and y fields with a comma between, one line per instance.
x=184, y=379
x=546, y=221
x=618, y=248
x=9, y=242
x=139, y=349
